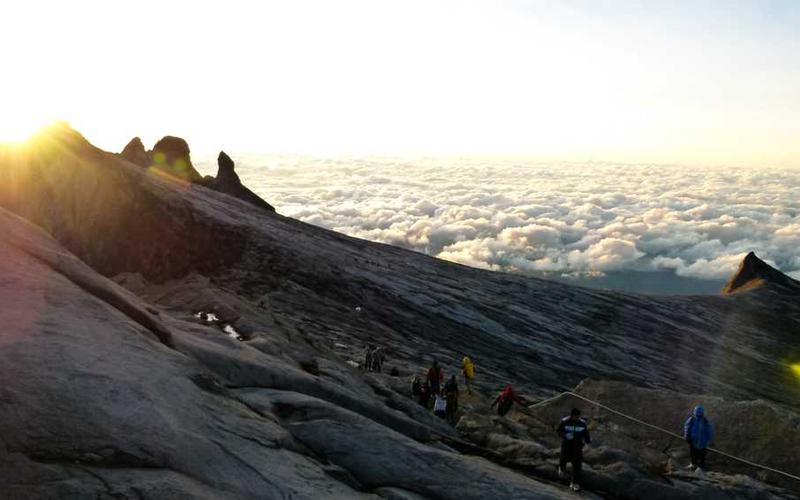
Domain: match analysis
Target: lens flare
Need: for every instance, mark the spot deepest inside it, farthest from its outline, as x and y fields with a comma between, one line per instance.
x=21, y=128
x=795, y=369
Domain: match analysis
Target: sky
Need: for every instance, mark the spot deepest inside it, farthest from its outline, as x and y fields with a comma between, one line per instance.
x=711, y=83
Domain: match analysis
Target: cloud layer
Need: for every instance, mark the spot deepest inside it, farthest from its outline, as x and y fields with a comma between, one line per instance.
x=529, y=217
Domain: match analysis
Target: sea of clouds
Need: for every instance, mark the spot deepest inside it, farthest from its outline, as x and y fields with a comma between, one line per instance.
x=529, y=217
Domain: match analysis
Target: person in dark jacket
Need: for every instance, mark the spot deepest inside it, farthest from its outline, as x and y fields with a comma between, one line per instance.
x=574, y=433
x=451, y=393
x=506, y=399
x=425, y=395
x=698, y=433
x=378, y=358
x=416, y=388
x=368, y=358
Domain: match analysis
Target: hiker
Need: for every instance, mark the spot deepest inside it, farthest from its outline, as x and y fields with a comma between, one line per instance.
x=440, y=406
x=435, y=377
x=378, y=357
x=451, y=394
x=574, y=433
x=505, y=400
x=368, y=358
x=468, y=369
x=425, y=395
x=416, y=388
x=698, y=433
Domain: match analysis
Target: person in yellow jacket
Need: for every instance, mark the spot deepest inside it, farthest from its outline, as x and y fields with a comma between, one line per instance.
x=468, y=369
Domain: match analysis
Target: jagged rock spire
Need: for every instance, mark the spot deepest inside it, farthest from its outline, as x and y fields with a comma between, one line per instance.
x=228, y=182
x=754, y=272
x=135, y=153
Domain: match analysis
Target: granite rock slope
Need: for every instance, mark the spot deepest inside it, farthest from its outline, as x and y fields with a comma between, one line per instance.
x=219, y=340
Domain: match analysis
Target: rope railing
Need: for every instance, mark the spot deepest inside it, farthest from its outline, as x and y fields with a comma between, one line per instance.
x=662, y=430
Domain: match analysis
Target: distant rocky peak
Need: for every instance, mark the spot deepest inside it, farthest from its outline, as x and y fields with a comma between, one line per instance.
x=171, y=154
x=753, y=273
x=135, y=153
x=226, y=173
x=228, y=182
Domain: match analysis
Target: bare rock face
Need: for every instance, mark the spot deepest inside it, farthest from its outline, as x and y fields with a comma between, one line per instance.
x=753, y=273
x=116, y=395
x=135, y=153
x=171, y=154
x=100, y=406
x=115, y=224
x=227, y=181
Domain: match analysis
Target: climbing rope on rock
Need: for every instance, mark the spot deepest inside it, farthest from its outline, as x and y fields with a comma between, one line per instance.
x=662, y=430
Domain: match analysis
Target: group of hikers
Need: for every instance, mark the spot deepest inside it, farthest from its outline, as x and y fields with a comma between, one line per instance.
x=374, y=358
x=434, y=394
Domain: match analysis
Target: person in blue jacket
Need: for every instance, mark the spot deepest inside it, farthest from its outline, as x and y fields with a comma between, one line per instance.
x=698, y=433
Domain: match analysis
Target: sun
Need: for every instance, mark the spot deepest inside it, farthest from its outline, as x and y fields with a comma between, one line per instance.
x=16, y=128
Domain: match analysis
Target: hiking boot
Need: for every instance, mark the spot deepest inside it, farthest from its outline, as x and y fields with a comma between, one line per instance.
x=575, y=486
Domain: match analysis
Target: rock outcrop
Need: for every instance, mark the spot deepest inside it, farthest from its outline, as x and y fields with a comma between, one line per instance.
x=753, y=273
x=228, y=182
x=139, y=392
x=135, y=153
x=114, y=215
x=171, y=154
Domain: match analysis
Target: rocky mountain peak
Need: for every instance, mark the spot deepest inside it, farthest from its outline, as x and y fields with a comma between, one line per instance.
x=226, y=173
x=171, y=154
x=135, y=153
x=228, y=182
x=754, y=272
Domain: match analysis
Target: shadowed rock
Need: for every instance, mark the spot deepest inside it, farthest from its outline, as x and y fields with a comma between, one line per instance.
x=135, y=153
x=171, y=154
x=753, y=273
x=227, y=181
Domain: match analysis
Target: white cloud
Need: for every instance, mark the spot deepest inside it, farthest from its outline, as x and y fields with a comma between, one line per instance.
x=524, y=217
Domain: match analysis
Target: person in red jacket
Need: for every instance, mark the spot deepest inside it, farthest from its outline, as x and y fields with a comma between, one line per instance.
x=435, y=377
x=506, y=399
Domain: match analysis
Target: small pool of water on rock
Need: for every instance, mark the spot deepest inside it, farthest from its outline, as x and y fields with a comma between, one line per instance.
x=207, y=317
x=231, y=331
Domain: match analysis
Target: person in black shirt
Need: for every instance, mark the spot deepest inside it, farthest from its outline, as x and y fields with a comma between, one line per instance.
x=574, y=433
